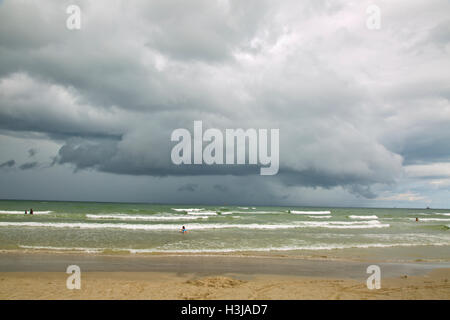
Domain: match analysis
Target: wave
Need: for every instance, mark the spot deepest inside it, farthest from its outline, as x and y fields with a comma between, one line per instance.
x=196, y=226
x=23, y=212
x=259, y=212
x=431, y=219
x=283, y=248
x=82, y=225
x=188, y=209
x=433, y=213
x=320, y=217
x=310, y=212
x=87, y=250
x=363, y=217
x=203, y=213
x=367, y=224
x=142, y=218
x=243, y=249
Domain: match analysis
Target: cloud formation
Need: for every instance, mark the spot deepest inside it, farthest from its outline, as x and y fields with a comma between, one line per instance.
x=8, y=164
x=353, y=106
x=190, y=187
x=28, y=165
x=32, y=152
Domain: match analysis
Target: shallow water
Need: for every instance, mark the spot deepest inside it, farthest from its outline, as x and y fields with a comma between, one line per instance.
x=146, y=228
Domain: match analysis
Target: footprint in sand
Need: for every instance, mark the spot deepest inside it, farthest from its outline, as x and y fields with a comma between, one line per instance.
x=216, y=282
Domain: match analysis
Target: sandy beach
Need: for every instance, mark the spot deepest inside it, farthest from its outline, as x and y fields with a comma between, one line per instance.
x=152, y=285
x=35, y=276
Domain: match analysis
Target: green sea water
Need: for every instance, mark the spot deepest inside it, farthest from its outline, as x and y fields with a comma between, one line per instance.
x=148, y=228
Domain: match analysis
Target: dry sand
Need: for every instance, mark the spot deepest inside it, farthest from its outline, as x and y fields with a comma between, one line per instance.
x=157, y=285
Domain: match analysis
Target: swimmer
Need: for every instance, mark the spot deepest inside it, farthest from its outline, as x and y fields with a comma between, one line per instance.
x=417, y=219
x=183, y=229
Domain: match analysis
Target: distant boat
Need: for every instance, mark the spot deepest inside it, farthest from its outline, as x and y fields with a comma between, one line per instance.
x=428, y=208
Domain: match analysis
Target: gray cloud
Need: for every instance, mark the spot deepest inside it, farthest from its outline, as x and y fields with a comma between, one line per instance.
x=220, y=188
x=29, y=165
x=190, y=187
x=351, y=115
x=8, y=164
x=32, y=152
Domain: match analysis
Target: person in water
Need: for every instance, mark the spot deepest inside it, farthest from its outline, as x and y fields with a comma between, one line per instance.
x=31, y=211
x=183, y=229
x=26, y=211
x=417, y=219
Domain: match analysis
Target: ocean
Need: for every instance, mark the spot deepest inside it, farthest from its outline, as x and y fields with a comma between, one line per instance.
x=133, y=228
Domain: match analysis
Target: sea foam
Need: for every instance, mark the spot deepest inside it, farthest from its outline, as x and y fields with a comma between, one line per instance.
x=310, y=212
x=363, y=217
x=196, y=226
x=133, y=217
x=23, y=212
x=242, y=249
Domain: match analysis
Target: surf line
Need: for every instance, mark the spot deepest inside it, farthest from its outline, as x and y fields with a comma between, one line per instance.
x=213, y=153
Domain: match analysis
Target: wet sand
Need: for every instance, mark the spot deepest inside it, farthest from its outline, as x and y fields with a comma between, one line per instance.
x=42, y=276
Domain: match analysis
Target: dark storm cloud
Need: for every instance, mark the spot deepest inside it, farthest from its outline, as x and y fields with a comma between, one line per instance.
x=221, y=188
x=32, y=152
x=29, y=165
x=359, y=186
x=360, y=190
x=8, y=164
x=190, y=187
x=420, y=135
x=314, y=178
x=87, y=154
x=350, y=109
x=105, y=156
x=426, y=150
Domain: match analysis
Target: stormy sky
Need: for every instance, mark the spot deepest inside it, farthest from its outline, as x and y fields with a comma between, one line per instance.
x=363, y=114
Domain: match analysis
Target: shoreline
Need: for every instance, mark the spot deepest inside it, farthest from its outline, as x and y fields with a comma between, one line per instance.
x=368, y=255
x=228, y=277
x=211, y=264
